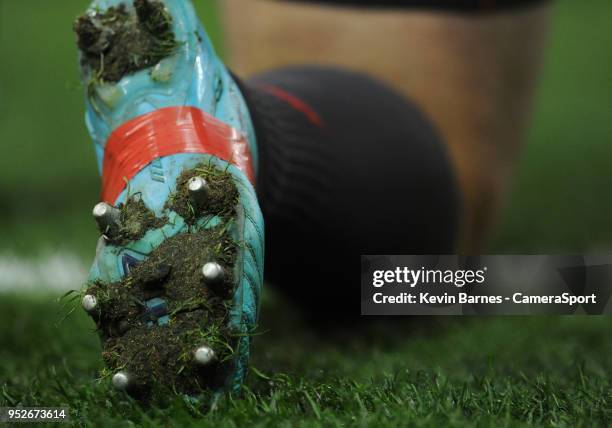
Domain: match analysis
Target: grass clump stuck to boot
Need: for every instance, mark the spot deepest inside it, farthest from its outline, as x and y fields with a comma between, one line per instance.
x=123, y=40
x=153, y=321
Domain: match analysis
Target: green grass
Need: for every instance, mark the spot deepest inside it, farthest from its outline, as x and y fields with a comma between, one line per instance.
x=561, y=197
x=451, y=372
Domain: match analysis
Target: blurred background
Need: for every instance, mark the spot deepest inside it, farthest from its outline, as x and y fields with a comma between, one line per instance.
x=561, y=200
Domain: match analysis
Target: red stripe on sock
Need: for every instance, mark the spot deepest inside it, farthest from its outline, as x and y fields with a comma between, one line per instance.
x=294, y=102
x=165, y=132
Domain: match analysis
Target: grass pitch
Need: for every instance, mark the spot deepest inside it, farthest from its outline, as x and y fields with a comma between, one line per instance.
x=545, y=371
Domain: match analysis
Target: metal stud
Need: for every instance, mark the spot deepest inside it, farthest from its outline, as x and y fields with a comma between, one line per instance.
x=108, y=218
x=213, y=273
x=122, y=381
x=198, y=191
x=204, y=355
x=89, y=302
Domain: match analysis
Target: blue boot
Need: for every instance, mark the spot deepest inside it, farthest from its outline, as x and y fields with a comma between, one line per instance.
x=176, y=281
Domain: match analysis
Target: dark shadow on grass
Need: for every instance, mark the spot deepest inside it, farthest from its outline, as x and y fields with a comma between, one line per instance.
x=289, y=340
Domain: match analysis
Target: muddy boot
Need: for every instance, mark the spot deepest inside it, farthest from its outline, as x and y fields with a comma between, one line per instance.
x=175, y=285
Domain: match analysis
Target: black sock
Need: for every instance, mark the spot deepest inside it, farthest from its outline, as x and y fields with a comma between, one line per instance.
x=347, y=167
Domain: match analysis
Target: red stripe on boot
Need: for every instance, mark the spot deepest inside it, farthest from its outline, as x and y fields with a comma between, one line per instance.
x=164, y=132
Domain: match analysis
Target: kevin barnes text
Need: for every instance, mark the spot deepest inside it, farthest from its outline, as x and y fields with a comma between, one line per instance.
x=464, y=298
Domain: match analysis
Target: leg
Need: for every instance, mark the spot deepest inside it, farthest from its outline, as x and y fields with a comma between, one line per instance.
x=338, y=179
x=474, y=76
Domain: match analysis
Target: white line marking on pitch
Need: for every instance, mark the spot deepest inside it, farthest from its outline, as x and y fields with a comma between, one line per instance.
x=60, y=271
